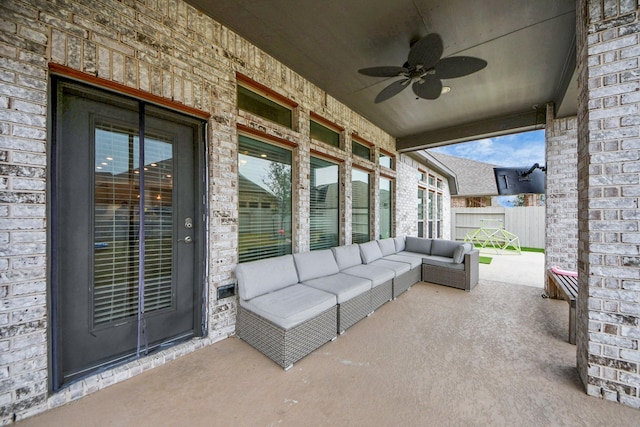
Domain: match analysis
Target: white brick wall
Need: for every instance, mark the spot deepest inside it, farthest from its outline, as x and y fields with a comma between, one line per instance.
x=168, y=49
x=609, y=219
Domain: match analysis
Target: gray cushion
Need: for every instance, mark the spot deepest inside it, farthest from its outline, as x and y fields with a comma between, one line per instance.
x=370, y=252
x=387, y=246
x=418, y=244
x=440, y=247
x=343, y=286
x=458, y=254
x=347, y=256
x=442, y=261
x=398, y=268
x=266, y=275
x=311, y=265
x=291, y=306
x=400, y=243
x=378, y=275
x=413, y=261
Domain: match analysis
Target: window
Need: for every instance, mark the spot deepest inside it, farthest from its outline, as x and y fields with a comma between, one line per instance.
x=386, y=208
x=385, y=160
x=422, y=176
x=360, y=150
x=325, y=202
x=439, y=215
x=421, y=212
x=262, y=106
x=432, y=181
x=324, y=133
x=265, y=179
x=360, y=206
x=431, y=204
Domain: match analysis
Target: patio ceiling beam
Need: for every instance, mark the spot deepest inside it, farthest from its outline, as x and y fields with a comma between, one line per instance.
x=503, y=125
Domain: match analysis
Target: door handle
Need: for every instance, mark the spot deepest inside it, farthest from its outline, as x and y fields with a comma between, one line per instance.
x=187, y=239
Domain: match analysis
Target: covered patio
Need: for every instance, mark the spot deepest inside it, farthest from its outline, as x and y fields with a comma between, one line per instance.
x=436, y=356
x=219, y=86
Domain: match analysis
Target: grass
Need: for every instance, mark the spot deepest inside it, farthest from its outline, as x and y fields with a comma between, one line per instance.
x=485, y=260
x=511, y=248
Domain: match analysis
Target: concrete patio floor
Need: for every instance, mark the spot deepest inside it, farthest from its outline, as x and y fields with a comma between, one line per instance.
x=497, y=355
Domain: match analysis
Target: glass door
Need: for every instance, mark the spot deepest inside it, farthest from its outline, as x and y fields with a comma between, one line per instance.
x=126, y=232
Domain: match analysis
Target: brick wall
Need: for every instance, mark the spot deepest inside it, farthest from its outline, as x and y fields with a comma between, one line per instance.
x=609, y=190
x=171, y=50
x=561, y=207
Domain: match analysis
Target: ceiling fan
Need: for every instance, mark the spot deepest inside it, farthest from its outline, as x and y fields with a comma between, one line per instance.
x=424, y=69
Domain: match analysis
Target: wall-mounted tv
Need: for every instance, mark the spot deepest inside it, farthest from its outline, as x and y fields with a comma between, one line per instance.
x=520, y=180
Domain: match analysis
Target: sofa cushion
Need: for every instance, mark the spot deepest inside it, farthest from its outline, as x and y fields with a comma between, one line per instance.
x=314, y=264
x=378, y=275
x=441, y=261
x=413, y=261
x=418, y=244
x=291, y=306
x=400, y=243
x=445, y=248
x=370, y=252
x=399, y=268
x=387, y=246
x=343, y=286
x=458, y=254
x=266, y=275
x=347, y=256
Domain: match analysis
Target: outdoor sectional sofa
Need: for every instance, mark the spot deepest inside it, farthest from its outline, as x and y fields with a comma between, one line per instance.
x=293, y=304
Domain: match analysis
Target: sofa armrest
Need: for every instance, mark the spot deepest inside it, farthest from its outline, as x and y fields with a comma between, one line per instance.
x=471, y=268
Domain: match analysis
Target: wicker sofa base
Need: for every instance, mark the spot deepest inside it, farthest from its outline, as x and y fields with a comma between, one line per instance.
x=286, y=347
x=352, y=311
x=405, y=281
x=381, y=294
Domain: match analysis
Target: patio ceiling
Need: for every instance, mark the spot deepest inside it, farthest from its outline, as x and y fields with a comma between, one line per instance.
x=529, y=47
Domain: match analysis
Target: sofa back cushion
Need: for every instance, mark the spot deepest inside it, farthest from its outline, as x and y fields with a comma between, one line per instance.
x=458, y=254
x=370, y=252
x=418, y=244
x=311, y=265
x=260, y=277
x=347, y=256
x=445, y=248
x=387, y=246
x=400, y=243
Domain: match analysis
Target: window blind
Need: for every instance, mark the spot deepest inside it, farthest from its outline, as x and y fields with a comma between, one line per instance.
x=265, y=200
x=324, y=206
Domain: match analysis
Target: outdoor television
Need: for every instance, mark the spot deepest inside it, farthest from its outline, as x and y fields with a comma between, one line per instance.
x=520, y=180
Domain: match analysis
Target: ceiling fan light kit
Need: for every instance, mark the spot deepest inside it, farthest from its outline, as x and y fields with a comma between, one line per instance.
x=424, y=70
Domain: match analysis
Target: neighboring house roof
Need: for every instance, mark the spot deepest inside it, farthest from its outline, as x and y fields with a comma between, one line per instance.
x=428, y=159
x=474, y=178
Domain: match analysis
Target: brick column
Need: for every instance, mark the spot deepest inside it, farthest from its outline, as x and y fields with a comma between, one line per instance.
x=561, y=204
x=609, y=189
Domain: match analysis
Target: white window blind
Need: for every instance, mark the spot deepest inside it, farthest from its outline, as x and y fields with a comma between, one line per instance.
x=265, y=200
x=360, y=206
x=325, y=202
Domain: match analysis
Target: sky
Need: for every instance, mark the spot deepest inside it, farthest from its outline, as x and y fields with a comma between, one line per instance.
x=521, y=149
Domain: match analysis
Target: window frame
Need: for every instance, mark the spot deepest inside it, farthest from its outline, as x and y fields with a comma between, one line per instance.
x=278, y=143
x=339, y=212
x=265, y=92
x=369, y=211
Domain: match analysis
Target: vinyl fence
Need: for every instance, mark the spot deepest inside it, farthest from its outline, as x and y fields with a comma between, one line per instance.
x=528, y=223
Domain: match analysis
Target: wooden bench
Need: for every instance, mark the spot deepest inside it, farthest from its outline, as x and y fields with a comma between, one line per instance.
x=565, y=286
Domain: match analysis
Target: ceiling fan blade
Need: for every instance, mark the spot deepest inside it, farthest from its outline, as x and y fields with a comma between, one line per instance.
x=383, y=71
x=458, y=66
x=426, y=51
x=391, y=90
x=429, y=88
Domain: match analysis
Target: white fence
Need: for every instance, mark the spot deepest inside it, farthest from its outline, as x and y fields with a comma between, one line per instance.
x=528, y=223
